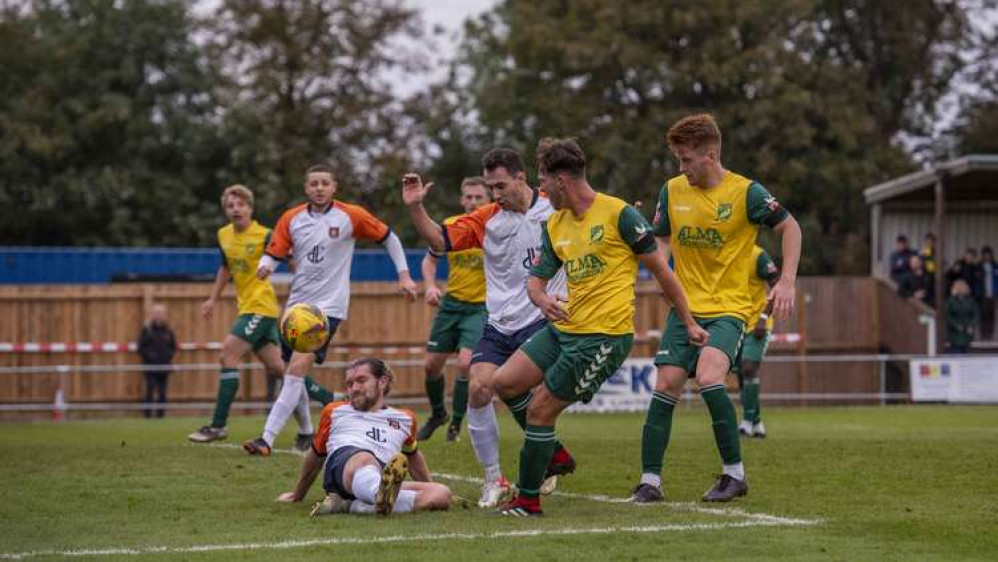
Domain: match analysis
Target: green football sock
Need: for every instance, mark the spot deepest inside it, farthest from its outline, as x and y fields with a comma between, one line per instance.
x=518, y=407
x=750, y=404
x=318, y=392
x=722, y=414
x=657, y=429
x=539, y=445
x=228, y=384
x=460, y=400
x=435, y=392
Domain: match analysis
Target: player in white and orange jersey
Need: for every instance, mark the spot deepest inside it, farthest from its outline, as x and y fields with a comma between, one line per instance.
x=365, y=449
x=321, y=234
x=509, y=232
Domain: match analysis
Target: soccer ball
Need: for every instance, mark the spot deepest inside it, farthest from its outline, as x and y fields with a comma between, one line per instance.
x=304, y=328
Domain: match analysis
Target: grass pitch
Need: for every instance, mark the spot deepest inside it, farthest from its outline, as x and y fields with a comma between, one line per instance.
x=872, y=483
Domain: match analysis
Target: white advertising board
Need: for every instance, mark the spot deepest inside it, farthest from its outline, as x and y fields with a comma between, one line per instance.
x=955, y=379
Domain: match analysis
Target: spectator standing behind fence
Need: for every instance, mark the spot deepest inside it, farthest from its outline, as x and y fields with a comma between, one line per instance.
x=917, y=283
x=900, y=258
x=969, y=269
x=928, y=253
x=989, y=270
x=157, y=346
x=962, y=318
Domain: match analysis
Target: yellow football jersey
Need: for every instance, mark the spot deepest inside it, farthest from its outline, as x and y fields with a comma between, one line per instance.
x=466, y=273
x=241, y=252
x=763, y=273
x=712, y=234
x=599, y=254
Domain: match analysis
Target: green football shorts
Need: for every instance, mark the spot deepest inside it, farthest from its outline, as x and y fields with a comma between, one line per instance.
x=752, y=350
x=675, y=348
x=257, y=330
x=458, y=325
x=576, y=365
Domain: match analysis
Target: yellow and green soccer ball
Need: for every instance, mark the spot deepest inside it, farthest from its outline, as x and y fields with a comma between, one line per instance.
x=304, y=328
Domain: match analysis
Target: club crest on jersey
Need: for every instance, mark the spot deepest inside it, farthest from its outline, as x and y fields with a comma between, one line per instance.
x=723, y=212
x=394, y=424
x=334, y=232
x=596, y=234
x=250, y=249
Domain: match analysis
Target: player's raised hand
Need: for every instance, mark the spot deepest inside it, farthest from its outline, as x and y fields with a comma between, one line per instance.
x=288, y=497
x=207, y=307
x=698, y=336
x=553, y=307
x=783, y=295
x=413, y=190
x=432, y=296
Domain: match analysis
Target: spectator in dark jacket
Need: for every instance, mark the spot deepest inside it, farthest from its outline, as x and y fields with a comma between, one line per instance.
x=900, y=258
x=917, y=283
x=157, y=346
x=961, y=318
x=969, y=269
x=989, y=270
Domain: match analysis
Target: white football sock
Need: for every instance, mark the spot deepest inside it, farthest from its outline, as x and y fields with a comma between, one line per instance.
x=736, y=471
x=484, y=431
x=651, y=479
x=357, y=506
x=406, y=501
x=302, y=414
x=365, y=484
x=286, y=402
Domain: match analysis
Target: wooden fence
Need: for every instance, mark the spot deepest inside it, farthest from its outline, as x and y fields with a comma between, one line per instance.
x=835, y=315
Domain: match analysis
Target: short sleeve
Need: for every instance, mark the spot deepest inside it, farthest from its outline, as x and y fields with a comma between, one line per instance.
x=548, y=263
x=325, y=424
x=468, y=231
x=762, y=207
x=635, y=231
x=280, y=243
x=765, y=268
x=660, y=224
x=222, y=260
x=365, y=225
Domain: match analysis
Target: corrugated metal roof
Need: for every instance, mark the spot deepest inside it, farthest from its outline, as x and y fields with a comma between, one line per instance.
x=926, y=178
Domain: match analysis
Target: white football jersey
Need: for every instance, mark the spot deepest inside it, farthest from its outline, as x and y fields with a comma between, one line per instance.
x=323, y=245
x=512, y=241
x=384, y=433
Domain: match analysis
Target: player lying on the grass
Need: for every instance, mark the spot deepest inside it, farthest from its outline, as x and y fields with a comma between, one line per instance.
x=241, y=243
x=364, y=449
x=762, y=277
x=509, y=232
x=321, y=234
x=599, y=240
x=457, y=327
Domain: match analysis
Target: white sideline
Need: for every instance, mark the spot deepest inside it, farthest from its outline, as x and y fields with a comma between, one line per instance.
x=675, y=506
x=282, y=545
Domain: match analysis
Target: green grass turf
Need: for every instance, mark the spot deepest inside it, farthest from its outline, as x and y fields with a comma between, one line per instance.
x=886, y=483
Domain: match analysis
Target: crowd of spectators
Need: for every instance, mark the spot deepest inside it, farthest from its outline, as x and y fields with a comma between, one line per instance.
x=971, y=283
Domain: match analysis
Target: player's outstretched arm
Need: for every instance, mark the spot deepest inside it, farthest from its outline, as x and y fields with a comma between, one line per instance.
x=413, y=194
x=418, y=469
x=221, y=278
x=674, y=293
x=429, y=269
x=310, y=467
x=784, y=293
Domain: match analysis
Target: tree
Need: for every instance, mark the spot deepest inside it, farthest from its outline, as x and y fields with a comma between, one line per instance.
x=798, y=97
x=307, y=82
x=105, y=123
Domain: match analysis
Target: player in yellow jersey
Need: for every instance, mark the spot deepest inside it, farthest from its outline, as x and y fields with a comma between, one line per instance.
x=458, y=324
x=241, y=243
x=763, y=275
x=599, y=240
x=709, y=218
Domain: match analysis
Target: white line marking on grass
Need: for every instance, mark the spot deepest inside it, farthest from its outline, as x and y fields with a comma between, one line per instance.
x=284, y=545
x=676, y=506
